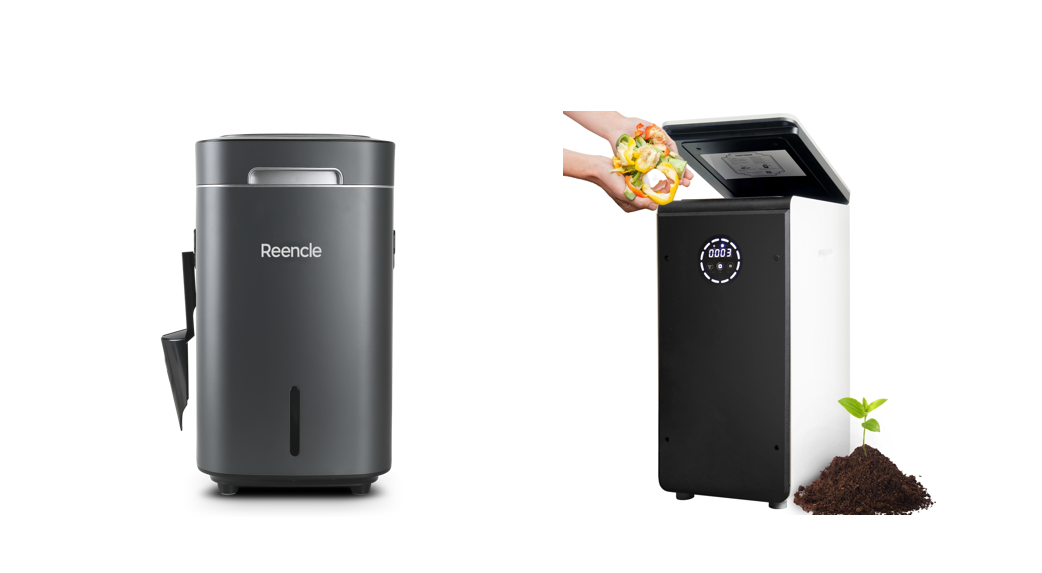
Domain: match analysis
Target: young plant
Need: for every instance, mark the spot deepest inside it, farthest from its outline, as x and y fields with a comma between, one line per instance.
x=860, y=410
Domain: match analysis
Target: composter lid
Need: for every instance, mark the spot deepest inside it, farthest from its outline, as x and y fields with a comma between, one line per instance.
x=294, y=159
x=757, y=156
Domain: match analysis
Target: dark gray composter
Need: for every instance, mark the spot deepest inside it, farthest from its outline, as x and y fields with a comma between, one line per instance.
x=293, y=259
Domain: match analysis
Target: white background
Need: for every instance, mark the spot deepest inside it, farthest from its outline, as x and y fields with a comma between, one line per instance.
x=525, y=322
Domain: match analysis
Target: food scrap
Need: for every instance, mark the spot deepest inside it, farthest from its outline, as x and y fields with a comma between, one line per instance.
x=648, y=166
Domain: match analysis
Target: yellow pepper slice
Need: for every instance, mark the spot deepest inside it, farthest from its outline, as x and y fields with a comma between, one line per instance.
x=624, y=149
x=647, y=158
x=663, y=198
x=619, y=167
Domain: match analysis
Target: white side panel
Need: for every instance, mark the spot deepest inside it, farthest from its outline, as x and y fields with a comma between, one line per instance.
x=819, y=253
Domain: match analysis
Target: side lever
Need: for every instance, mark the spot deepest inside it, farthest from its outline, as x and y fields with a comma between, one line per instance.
x=175, y=344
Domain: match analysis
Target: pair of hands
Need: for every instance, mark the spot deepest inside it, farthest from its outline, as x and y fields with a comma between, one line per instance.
x=597, y=169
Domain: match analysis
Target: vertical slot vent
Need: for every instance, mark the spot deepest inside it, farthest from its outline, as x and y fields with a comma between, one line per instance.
x=294, y=421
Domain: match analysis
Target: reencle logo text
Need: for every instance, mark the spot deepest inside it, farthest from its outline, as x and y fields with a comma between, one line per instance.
x=290, y=252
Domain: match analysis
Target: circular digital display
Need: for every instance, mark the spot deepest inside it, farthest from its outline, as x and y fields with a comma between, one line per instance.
x=720, y=260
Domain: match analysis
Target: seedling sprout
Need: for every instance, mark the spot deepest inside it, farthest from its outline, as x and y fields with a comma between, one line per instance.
x=860, y=410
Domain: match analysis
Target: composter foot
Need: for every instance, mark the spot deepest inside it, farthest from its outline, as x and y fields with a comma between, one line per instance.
x=779, y=505
x=227, y=488
x=361, y=489
x=683, y=496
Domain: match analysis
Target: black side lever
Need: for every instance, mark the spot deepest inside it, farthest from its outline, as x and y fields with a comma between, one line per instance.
x=175, y=344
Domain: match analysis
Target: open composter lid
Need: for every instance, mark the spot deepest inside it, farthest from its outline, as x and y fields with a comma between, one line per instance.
x=757, y=156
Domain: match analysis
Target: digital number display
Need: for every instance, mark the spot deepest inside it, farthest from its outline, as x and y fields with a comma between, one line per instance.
x=720, y=260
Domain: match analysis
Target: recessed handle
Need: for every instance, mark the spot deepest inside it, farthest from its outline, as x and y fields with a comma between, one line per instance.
x=295, y=176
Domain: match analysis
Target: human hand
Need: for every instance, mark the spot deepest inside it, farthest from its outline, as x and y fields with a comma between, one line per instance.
x=611, y=124
x=596, y=169
x=615, y=186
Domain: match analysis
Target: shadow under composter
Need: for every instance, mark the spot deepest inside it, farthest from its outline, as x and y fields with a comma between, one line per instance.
x=293, y=493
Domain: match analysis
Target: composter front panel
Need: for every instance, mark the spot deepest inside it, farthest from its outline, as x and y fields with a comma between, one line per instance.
x=723, y=353
x=295, y=352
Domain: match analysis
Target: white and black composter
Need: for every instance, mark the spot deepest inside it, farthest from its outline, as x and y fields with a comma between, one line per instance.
x=754, y=328
x=291, y=277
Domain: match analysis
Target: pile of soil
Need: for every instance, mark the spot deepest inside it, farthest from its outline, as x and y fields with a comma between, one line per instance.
x=859, y=485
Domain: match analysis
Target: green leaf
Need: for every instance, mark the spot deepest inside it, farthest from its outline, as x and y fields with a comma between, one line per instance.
x=871, y=425
x=875, y=404
x=853, y=406
x=864, y=404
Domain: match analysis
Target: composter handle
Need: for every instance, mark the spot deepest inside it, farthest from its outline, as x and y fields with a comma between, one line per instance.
x=175, y=344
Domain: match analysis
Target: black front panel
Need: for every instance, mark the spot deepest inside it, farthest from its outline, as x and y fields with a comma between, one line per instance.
x=723, y=351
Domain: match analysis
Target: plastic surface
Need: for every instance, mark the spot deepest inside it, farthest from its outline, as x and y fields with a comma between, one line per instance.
x=268, y=324
x=175, y=350
x=294, y=310
x=297, y=137
x=175, y=344
x=723, y=353
x=294, y=176
x=820, y=330
x=750, y=371
x=704, y=143
x=229, y=160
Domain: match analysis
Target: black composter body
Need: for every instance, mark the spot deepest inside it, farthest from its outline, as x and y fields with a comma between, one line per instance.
x=753, y=314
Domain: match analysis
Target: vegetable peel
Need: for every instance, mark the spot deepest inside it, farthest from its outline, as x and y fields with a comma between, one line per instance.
x=646, y=158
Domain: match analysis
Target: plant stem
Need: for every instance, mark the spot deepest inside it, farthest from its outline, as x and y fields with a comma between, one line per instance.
x=863, y=438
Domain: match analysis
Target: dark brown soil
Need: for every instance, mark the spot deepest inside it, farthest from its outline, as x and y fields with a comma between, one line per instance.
x=859, y=485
